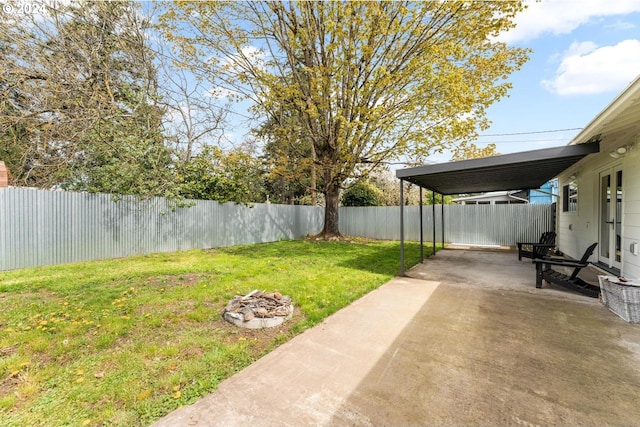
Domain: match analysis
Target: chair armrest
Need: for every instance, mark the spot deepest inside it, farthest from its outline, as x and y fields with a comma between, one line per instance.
x=543, y=245
x=527, y=243
x=564, y=263
x=535, y=245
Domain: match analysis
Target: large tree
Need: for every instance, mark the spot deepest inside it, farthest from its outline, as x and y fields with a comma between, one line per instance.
x=366, y=81
x=78, y=104
x=472, y=151
x=195, y=119
x=289, y=159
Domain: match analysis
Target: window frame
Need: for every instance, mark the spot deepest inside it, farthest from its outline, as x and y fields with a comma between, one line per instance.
x=568, y=190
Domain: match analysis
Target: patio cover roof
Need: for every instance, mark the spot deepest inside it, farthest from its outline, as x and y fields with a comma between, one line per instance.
x=517, y=171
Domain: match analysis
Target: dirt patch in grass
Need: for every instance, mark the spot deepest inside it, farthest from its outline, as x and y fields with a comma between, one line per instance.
x=9, y=385
x=11, y=380
x=173, y=280
x=8, y=351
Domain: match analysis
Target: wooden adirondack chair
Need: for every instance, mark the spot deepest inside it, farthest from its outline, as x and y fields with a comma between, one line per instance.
x=537, y=250
x=544, y=271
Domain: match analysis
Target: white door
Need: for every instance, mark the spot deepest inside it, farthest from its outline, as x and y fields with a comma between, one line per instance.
x=610, y=236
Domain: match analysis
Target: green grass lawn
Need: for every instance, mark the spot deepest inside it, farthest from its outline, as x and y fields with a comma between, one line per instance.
x=123, y=342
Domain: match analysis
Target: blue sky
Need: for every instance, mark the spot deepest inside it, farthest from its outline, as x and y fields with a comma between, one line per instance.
x=585, y=52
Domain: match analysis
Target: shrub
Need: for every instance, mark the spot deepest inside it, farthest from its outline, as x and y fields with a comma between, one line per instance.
x=362, y=194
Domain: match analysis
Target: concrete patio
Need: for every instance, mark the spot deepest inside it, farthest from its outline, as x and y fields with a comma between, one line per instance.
x=466, y=340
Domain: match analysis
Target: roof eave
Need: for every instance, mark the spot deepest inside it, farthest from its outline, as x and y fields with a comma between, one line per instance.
x=622, y=101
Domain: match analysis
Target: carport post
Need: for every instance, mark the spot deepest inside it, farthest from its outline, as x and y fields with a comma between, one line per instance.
x=421, y=231
x=401, y=228
x=433, y=208
x=442, y=217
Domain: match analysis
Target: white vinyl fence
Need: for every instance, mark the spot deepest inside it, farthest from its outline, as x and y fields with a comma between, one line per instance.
x=40, y=227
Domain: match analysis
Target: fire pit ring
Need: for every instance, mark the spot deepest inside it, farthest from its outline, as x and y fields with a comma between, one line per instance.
x=258, y=310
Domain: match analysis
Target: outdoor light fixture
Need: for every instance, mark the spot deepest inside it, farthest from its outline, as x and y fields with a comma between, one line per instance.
x=620, y=151
x=573, y=177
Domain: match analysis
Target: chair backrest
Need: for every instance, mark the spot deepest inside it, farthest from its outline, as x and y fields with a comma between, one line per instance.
x=547, y=238
x=550, y=238
x=584, y=259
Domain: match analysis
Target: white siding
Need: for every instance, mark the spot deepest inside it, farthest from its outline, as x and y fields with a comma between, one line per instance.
x=631, y=213
x=577, y=230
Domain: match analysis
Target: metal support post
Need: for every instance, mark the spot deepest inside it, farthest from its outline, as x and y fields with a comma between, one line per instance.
x=401, y=228
x=421, y=231
x=433, y=208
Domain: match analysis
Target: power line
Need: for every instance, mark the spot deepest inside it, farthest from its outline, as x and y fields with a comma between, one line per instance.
x=517, y=141
x=530, y=133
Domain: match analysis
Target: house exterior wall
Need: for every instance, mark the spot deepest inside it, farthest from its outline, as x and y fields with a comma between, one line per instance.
x=547, y=195
x=631, y=208
x=577, y=230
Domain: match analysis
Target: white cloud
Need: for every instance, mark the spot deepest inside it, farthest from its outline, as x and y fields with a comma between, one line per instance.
x=621, y=26
x=250, y=55
x=253, y=52
x=588, y=69
x=563, y=16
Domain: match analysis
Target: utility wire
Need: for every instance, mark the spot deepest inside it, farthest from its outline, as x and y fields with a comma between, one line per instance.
x=519, y=141
x=530, y=133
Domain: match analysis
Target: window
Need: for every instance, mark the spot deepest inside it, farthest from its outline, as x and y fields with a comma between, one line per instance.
x=570, y=197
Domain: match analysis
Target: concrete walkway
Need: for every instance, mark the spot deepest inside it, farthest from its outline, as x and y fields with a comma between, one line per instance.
x=467, y=340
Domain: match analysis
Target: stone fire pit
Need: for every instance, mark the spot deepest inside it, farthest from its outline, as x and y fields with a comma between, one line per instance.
x=258, y=310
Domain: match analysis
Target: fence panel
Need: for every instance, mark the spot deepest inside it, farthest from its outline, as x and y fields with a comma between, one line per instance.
x=464, y=224
x=40, y=227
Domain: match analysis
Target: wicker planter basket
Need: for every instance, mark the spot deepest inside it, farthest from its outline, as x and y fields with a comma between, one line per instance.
x=622, y=299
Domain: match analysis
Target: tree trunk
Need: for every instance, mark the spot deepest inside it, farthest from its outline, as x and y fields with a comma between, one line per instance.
x=331, y=210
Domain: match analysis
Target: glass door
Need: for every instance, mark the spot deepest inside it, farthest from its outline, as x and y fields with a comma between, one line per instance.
x=610, y=236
